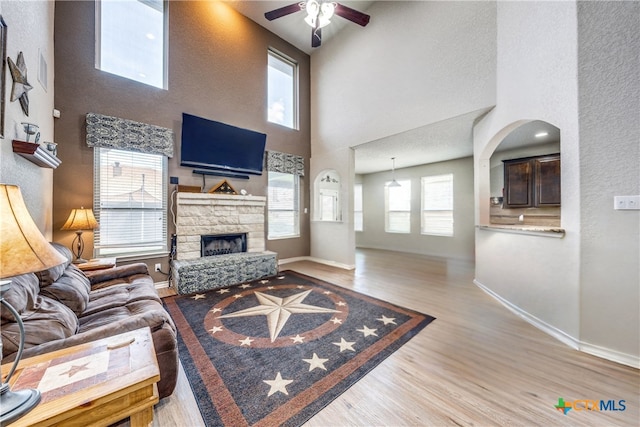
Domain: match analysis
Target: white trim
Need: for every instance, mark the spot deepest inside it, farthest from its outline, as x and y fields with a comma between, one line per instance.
x=602, y=352
x=319, y=261
x=607, y=353
x=161, y=285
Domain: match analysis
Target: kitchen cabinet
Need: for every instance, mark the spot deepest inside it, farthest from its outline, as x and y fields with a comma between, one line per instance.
x=532, y=182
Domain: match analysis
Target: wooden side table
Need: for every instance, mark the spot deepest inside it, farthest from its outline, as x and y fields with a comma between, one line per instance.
x=97, y=264
x=92, y=384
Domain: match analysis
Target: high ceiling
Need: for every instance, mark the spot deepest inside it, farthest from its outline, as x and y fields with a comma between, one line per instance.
x=436, y=142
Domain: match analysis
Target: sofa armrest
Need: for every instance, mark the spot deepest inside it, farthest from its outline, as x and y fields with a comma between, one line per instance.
x=98, y=276
x=154, y=319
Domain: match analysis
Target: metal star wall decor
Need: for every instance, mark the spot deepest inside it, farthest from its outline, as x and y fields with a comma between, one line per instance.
x=20, y=84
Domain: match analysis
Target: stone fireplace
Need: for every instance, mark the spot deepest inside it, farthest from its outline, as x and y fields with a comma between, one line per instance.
x=204, y=214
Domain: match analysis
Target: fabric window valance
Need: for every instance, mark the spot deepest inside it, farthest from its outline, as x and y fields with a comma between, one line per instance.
x=285, y=163
x=113, y=132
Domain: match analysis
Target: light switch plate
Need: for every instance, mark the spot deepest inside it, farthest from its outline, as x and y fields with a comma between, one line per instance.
x=626, y=203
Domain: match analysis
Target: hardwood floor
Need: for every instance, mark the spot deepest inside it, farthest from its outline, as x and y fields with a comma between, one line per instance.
x=476, y=364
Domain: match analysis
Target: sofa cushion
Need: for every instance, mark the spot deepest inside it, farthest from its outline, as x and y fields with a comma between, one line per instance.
x=120, y=295
x=52, y=274
x=21, y=295
x=71, y=288
x=47, y=320
x=147, y=313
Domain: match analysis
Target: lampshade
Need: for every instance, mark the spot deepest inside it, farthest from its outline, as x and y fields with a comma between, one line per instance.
x=23, y=248
x=80, y=219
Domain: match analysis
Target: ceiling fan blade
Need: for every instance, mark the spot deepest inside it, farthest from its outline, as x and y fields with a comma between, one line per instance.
x=316, y=37
x=283, y=11
x=352, y=15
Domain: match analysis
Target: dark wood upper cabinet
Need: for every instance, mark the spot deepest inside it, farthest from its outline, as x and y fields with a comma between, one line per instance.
x=532, y=182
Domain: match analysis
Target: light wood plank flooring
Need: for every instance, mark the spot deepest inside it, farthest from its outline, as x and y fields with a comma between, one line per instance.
x=476, y=364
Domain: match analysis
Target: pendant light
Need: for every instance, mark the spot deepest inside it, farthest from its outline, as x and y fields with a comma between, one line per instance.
x=393, y=182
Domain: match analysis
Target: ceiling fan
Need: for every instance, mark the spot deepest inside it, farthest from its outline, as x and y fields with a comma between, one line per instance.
x=319, y=14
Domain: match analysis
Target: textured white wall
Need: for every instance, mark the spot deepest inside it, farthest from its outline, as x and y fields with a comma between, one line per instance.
x=575, y=66
x=335, y=241
x=30, y=30
x=460, y=245
x=537, y=48
x=609, y=106
x=416, y=63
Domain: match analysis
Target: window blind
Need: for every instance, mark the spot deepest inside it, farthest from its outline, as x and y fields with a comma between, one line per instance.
x=283, y=205
x=130, y=202
x=398, y=207
x=437, y=205
x=358, y=217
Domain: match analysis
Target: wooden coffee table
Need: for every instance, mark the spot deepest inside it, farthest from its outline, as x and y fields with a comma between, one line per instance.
x=95, y=384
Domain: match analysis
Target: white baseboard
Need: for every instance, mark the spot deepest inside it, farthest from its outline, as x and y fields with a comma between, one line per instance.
x=161, y=285
x=318, y=260
x=605, y=353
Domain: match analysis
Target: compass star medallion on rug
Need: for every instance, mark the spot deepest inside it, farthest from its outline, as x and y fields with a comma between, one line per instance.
x=275, y=352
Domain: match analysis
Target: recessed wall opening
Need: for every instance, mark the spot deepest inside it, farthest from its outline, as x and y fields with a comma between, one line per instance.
x=525, y=179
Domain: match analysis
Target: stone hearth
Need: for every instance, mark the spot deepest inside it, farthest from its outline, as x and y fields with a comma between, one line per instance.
x=203, y=213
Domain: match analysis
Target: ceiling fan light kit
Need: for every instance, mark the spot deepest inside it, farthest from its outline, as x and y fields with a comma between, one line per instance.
x=319, y=14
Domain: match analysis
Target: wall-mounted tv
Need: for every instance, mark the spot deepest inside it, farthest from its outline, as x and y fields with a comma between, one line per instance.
x=216, y=146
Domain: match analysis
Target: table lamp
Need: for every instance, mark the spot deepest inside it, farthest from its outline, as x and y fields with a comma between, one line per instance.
x=80, y=220
x=23, y=249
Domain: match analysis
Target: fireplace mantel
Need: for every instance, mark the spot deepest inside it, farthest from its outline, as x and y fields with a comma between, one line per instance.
x=203, y=213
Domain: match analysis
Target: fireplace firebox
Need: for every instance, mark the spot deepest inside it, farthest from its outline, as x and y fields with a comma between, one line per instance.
x=220, y=244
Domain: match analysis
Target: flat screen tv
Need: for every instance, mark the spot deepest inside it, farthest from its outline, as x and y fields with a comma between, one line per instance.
x=216, y=146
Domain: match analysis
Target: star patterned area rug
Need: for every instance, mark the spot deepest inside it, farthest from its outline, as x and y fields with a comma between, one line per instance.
x=275, y=352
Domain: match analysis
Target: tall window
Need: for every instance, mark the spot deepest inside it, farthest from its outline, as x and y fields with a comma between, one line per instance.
x=283, y=205
x=130, y=37
x=130, y=202
x=437, y=205
x=398, y=208
x=358, y=218
x=282, y=87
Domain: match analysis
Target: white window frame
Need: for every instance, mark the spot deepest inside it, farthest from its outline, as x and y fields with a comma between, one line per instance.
x=132, y=249
x=165, y=44
x=358, y=208
x=289, y=62
x=405, y=185
x=271, y=234
x=437, y=203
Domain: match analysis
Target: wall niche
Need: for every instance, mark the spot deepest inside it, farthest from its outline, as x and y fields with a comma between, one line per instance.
x=328, y=203
x=525, y=177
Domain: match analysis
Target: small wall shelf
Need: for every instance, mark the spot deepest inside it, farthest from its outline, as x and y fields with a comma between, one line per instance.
x=35, y=154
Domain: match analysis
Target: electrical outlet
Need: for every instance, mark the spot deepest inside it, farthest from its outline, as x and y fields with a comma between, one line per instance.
x=158, y=267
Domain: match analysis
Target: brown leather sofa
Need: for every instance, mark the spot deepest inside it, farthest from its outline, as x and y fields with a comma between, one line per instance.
x=62, y=307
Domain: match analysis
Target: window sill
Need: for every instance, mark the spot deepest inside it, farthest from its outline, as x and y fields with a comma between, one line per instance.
x=528, y=230
x=137, y=257
x=284, y=237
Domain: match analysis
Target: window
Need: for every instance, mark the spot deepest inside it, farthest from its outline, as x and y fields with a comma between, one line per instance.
x=283, y=205
x=437, y=205
x=282, y=88
x=130, y=202
x=130, y=38
x=398, y=208
x=358, y=219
